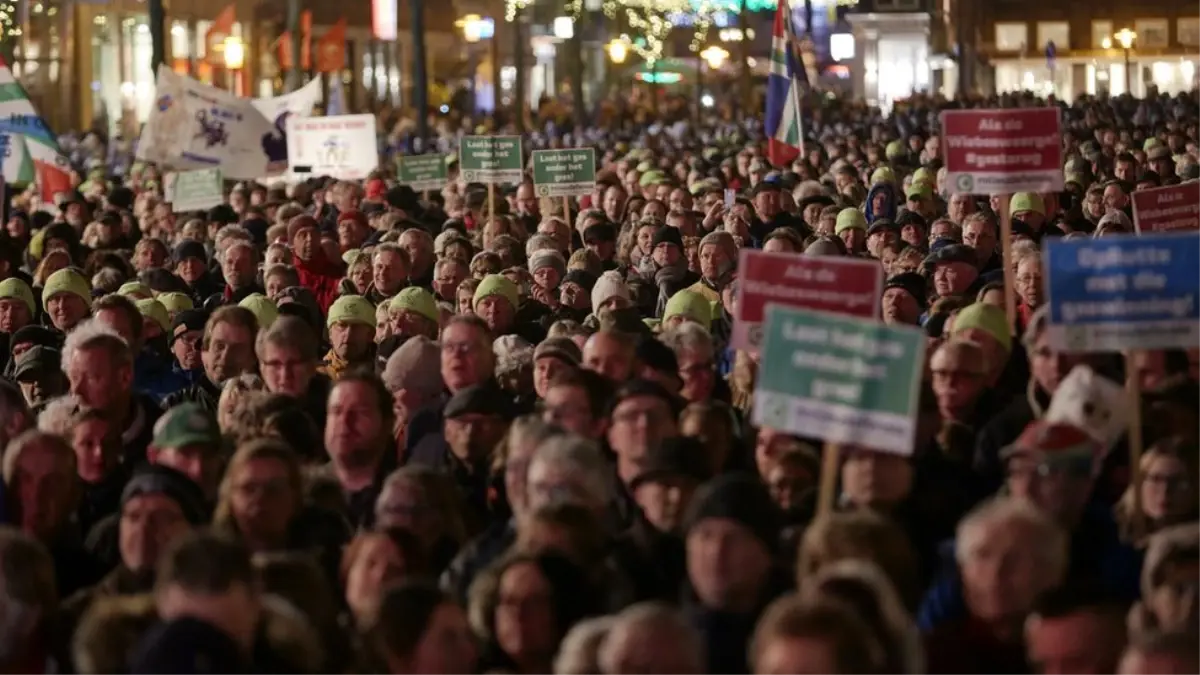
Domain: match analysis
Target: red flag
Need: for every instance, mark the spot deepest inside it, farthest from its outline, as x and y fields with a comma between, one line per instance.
x=331, y=50
x=221, y=28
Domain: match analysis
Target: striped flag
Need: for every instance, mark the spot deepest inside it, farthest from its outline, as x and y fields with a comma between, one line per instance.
x=785, y=82
x=28, y=150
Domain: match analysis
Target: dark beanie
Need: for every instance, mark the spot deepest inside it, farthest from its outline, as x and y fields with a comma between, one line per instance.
x=298, y=223
x=742, y=498
x=161, y=480
x=586, y=280
x=668, y=235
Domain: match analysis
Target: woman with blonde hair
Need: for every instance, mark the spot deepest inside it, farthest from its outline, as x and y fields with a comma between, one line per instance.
x=741, y=382
x=860, y=535
x=1166, y=491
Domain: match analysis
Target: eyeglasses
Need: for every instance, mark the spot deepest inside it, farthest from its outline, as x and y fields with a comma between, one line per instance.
x=1168, y=482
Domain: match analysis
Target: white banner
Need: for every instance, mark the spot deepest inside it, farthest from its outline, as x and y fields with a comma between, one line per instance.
x=195, y=126
x=342, y=146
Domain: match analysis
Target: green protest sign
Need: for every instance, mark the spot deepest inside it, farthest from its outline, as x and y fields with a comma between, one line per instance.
x=490, y=159
x=422, y=172
x=840, y=379
x=564, y=173
x=197, y=190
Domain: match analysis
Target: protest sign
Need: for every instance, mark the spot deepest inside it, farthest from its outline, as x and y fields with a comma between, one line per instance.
x=194, y=126
x=490, y=159
x=197, y=190
x=1002, y=151
x=841, y=379
x=564, y=173
x=422, y=172
x=342, y=146
x=843, y=285
x=1167, y=209
x=1123, y=292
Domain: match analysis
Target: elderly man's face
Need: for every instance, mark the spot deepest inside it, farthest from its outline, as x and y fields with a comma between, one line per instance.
x=471, y=437
x=1002, y=572
x=1115, y=198
x=958, y=380
x=953, y=278
x=97, y=380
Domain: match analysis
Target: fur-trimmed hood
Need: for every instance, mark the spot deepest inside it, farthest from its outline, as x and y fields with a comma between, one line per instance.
x=113, y=628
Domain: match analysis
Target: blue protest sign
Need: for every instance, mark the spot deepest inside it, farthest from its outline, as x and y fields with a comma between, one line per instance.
x=1124, y=292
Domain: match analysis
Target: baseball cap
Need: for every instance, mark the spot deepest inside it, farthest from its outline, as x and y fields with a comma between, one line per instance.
x=187, y=424
x=35, y=361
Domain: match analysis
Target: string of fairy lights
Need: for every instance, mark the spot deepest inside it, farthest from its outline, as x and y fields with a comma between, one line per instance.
x=9, y=27
x=649, y=21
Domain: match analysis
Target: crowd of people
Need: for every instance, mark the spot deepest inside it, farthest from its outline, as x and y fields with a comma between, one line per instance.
x=342, y=426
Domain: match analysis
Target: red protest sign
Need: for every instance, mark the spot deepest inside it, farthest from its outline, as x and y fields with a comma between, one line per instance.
x=840, y=285
x=1167, y=209
x=1003, y=151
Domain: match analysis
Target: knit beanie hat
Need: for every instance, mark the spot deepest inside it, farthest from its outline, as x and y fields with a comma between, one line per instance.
x=668, y=235
x=609, y=284
x=176, y=302
x=723, y=240
x=351, y=309
x=741, y=498
x=497, y=284
x=987, y=318
x=67, y=281
x=883, y=174
x=16, y=289
x=298, y=223
x=850, y=218
x=1026, y=201
x=548, y=257
x=417, y=300
x=263, y=309
x=135, y=290
x=585, y=260
x=415, y=366
x=691, y=305
x=153, y=309
x=583, y=278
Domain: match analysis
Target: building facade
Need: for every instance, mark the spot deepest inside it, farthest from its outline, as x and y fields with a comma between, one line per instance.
x=87, y=65
x=1069, y=47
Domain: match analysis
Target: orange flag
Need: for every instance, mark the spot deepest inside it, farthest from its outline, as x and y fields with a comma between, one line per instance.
x=221, y=28
x=331, y=49
x=305, y=40
x=283, y=46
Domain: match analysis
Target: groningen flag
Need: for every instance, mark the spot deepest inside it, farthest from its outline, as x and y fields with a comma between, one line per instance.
x=28, y=149
x=785, y=130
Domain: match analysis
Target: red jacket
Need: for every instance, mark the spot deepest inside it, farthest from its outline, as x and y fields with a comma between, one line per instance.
x=321, y=276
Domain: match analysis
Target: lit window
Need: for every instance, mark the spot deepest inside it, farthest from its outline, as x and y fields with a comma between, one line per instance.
x=1188, y=31
x=1012, y=37
x=1152, y=32
x=1058, y=32
x=1101, y=30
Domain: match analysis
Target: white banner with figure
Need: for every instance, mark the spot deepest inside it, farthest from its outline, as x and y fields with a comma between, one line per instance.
x=342, y=146
x=195, y=126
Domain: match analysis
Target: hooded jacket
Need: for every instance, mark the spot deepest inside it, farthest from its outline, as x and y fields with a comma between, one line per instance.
x=890, y=191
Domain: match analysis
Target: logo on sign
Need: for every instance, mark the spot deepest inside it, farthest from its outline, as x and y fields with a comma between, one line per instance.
x=966, y=183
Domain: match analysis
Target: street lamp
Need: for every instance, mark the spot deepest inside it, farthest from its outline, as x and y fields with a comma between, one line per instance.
x=475, y=28
x=1125, y=38
x=234, y=54
x=618, y=51
x=714, y=56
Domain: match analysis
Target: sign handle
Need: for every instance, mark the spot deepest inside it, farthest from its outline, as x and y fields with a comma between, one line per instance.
x=829, y=477
x=491, y=201
x=1010, y=280
x=566, y=214
x=1133, y=387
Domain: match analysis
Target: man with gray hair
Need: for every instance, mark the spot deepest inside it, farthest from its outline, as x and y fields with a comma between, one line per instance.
x=99, y=367
x=650, y=637
x=569, y=469
x=28, y=600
